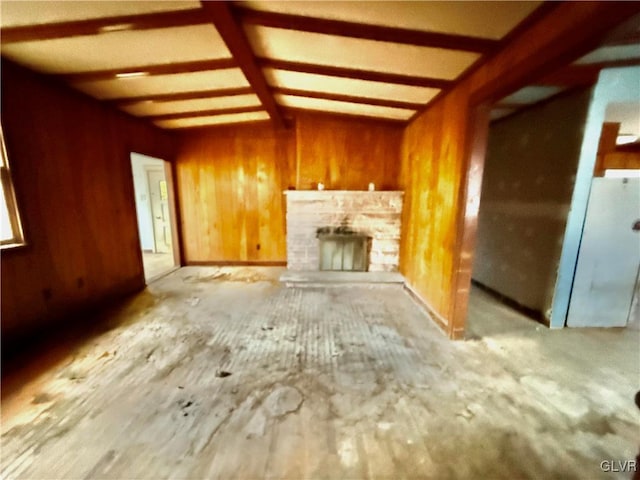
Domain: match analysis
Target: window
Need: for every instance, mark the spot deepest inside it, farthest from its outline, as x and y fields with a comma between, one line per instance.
x=10, y=226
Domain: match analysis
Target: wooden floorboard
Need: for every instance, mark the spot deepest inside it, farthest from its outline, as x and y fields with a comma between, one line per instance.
x=225, y=373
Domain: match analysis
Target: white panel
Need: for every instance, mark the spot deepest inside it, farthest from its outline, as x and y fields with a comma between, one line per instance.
x=161, y=84
x=119, y=49
x=621, y=173
x=17, y=13
x=531, y=94
x=481, y=19
x=213, y=120
x=609, y=255
x=160, y=108
x=348, y=86
x=609, y=54
x=355, y=53
x=344, y=107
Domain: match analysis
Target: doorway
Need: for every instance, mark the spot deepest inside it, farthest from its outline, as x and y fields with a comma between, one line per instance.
x=154, y=202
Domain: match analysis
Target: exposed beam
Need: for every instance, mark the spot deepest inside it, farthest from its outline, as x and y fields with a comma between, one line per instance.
x=366, y=31
x=233, y=35
x=205, y=113
x=627, y=33
x=98, y=26
x=348, y=98
x=350, y=116
x=355, y=73
x=149, y=70
x=570, y=76
x=172, y=97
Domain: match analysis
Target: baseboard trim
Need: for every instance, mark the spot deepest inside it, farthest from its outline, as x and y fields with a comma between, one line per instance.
x=438, y=319
x=532, y=313
x=234, y=263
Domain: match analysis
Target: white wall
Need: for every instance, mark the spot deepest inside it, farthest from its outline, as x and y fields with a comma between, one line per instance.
x=614, y=85
x=145, y=224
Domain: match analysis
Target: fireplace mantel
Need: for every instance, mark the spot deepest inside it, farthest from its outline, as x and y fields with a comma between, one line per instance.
x=376, y=214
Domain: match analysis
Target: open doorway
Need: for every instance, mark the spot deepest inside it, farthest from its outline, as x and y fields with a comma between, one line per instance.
x=530, y=166
x=154, y=209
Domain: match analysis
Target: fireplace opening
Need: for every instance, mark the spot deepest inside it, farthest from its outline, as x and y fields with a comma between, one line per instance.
x=342, y=249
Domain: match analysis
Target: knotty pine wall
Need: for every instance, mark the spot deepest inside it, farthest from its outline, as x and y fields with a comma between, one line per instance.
x=443, y=153
x=230, y=180
x=69, y=157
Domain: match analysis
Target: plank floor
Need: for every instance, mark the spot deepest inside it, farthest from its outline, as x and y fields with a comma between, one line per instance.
x=223, y=373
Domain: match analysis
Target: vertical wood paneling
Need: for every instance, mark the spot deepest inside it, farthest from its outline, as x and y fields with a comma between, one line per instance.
x=347, y=154
x=230, y=183
x=231, y=179
x=70, y=162
x=432, y=167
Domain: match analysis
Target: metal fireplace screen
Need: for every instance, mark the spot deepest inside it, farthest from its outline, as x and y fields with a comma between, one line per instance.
x=343, y=251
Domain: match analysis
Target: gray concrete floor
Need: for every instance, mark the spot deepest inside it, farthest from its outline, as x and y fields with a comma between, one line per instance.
x=223, y=373
x=156, y=264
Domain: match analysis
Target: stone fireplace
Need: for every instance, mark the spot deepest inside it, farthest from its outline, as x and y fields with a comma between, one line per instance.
x=343, y=230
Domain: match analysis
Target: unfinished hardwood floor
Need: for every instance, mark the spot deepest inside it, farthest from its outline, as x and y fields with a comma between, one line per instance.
x=223, y=373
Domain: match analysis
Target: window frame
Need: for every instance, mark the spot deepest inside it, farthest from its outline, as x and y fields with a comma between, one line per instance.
x=9, y=197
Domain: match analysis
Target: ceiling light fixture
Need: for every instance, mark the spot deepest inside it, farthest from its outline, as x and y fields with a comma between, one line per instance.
x=131, y=74
x=118, y=27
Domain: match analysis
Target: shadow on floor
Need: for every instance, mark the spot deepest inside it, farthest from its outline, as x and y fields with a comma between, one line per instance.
x=29, y=356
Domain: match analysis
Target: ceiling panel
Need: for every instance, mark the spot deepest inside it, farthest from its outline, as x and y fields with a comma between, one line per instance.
x=120, y=49
x=162, y=108
x=497, y=113
x=459, y=17
x=348, y=86
x=531, y=94
x=344, y=107
x=164, y=84
x=213, y=120
x=356, y=53
x=611, y=53
x=21, y=13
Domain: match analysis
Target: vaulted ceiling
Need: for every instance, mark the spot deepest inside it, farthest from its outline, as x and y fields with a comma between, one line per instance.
x=184, y=64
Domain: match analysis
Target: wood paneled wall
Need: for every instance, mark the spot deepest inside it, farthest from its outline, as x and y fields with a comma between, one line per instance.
x=443, y=153
x=69, y=157
x=346, y=154
x=433, y=167
x=230, y=180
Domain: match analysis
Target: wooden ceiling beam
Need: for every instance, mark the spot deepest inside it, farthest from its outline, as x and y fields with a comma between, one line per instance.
x=173, y=97
x=232, y=33
x=349, y=98
x=97, y=26
x=205, y=113
x=149, y=70
x=354, y=73
x=367, y=31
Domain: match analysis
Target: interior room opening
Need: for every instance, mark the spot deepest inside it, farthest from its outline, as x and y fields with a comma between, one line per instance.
x=153, y=209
